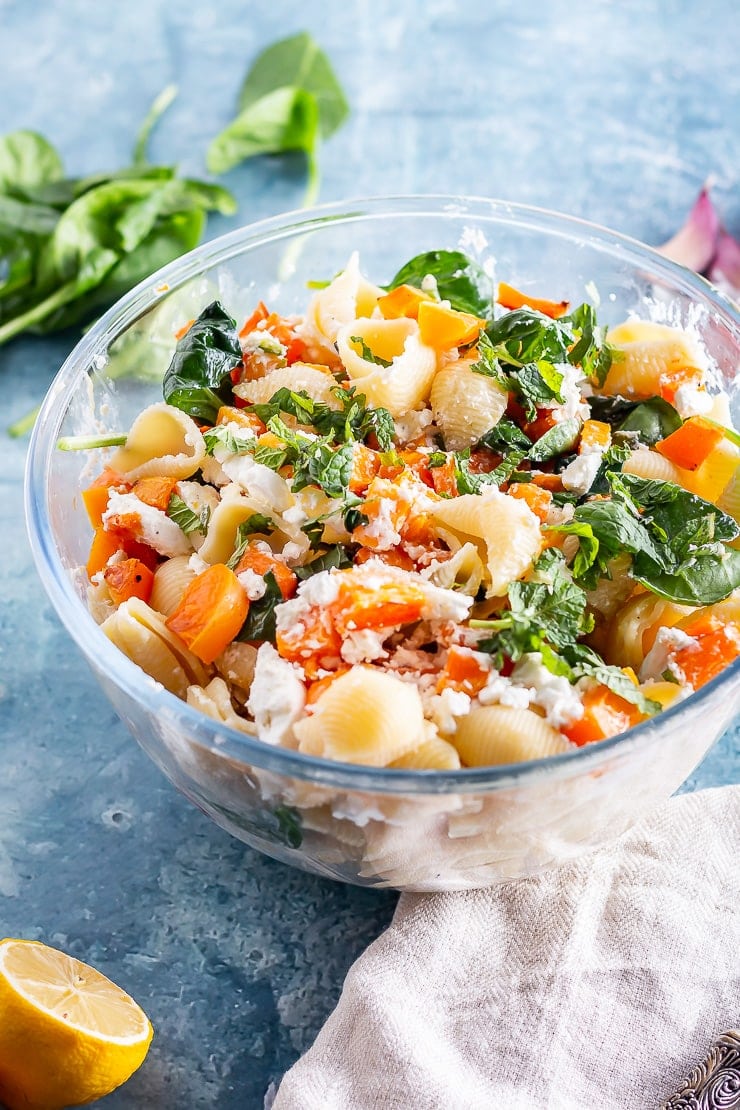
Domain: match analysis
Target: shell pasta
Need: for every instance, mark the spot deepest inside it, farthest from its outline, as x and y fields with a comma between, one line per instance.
x=424, y=534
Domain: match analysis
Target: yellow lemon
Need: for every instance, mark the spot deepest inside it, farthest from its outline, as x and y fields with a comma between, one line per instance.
x=67, y=1034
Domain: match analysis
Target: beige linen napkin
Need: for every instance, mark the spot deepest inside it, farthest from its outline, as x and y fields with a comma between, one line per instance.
x=598, y=985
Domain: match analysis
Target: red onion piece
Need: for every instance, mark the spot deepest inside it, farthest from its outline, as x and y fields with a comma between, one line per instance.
x=724, y=271
x=695, y=244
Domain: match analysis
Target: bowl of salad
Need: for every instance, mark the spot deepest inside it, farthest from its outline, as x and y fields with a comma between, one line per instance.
x=403, y=533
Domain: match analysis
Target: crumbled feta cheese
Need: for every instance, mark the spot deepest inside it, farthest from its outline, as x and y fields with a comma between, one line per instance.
x=551, y=692
x=277, y=696
x=258, y=480
x=499, y=690
x=156, y=528
x=253, y=583
x=578, y=476
x=382, y=528
x=691, y=400
x=294, y=515
x=412, y=424
x=363, y=645
x=263, y=340
x=572, y=393
x=658, y=659
x=292, y=552
x=197, y=565
x=444, y=707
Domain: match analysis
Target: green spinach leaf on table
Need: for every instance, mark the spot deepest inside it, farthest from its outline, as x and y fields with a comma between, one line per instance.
x=290, y=101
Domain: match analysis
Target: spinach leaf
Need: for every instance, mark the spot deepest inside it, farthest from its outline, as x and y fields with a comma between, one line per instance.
x=198, y=378
x=705, y=578
x=469, y=482
x=290, y=100
x=590, y=351
x=185, y=518
x=546, y=613
x=336, y=557
x=256, y=524
x=527, y=336
x=260, y=622
x=27, y=160
x=556, y=440
x=159, y=107
x=504, y=436
x=460, y=280
x=678, y=519
x=290, y=826
x=586, y=663
x=650, y=420
x=367, y=354
x=533, y=383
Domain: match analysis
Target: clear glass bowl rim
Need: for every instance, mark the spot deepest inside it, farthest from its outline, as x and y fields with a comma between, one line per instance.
x=206, y=731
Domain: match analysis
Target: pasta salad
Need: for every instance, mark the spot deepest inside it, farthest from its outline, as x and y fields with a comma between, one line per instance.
x=435, y=524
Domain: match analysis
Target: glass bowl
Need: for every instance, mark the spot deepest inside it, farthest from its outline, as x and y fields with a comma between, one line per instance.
x=410, y=830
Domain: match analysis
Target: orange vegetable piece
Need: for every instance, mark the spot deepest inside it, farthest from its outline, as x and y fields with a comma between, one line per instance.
x=95, y=497
x=671, y=380
x=229, y=414
x=510, y=297
x=595, y=434
x=260, y=562
x=539, y=500
x=445, y=479
x=462, y=671
x=605, y=714
x=543, y=422
x=365, y=465
x=404, y=300
x=378, y=606
x=211, y=612
x=393, y=558
x=692, y=443
x=313, y=640
x=443, y=328
x=260, y=313
x=716, y=650
x=130, y=578
x=550, y=482
x=104, y=544
x=155, y=491
x=184, y=329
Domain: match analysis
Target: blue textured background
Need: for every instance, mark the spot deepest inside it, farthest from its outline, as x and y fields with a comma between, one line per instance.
x=612, y=111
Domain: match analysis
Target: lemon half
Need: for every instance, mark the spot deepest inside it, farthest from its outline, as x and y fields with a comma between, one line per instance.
x=68, y=1035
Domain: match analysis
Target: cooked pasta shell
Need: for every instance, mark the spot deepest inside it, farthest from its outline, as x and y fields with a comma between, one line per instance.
x=504, y=529
x=170, y=580
x=147, y=648
x=214, y=700
x=348, y=297
x=237, y=663
x=727, y=611
x=729, y=500
x=465, y=405
x=402, y=385
x=634, y=627
x=644, y=353
x=302, y=377
x=434, y=754
x=645, y=463
x=163, y=442
x=463, y=572
x=220, y=541
x=711, y=479
x=496, y=734
x=366, y=716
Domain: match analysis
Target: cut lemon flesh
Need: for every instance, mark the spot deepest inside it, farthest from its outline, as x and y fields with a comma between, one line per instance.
x=68, y=1035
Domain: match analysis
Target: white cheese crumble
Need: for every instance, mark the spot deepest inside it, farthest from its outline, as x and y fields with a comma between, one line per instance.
x=413, y=424
x=551, y=692
x=197, y=565
x=690, y=400
x=253, y=583
x=658, y=659
x=499, y=690
x=578, y=476
x=157, y=530
x=258, y=480
x=444, y=707
x=277, y=696
x=363, y=645
x=382, y=528
x=572, y=393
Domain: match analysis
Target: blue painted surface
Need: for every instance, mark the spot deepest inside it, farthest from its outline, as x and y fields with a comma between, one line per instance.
x=614, y=112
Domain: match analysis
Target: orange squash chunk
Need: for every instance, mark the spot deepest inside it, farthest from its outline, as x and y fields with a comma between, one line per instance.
x=211, y=612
